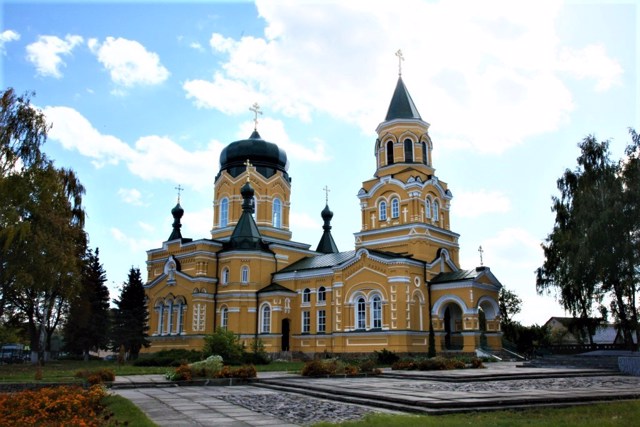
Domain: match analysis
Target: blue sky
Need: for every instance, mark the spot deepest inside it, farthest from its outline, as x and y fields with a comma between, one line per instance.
x=143, y=97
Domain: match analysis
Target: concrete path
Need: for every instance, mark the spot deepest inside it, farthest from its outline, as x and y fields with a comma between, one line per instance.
x=286, y=399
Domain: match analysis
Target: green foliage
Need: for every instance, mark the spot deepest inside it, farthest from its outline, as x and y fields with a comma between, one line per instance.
x=328, y=367
x=181, y=373
x=386, y=357
x=131, y=316
x=437, y=363
x=88, y=322
x=525, y=338
x=96, y=376
x=124, y=412
x=207, y=368
x=510, y=304
x=592, y=253
x=257, y=355
x=42, y=239
x=225, y=344
x=172, y=357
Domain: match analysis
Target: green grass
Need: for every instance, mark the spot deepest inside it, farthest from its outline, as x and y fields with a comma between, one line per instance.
x=280, y=366
x=64, y=370
x=621, y=413
x=125, y=413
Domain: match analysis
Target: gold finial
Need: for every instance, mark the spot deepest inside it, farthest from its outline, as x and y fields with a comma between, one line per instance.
x=326, y=196
x=481, y=251
x=248, y=165
x=400, y=59
x=180, y=189
x=256, y=110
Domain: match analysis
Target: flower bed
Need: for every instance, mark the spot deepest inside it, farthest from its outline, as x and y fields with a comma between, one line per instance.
x=53, y=406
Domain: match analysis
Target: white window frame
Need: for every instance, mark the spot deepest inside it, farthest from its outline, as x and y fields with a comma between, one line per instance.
x=361, y=313
x=382, y=211
x=225, y=276
x=306, y=296
x=427, y=207
x=306, y=322
x=277, y=213
x=224, y=318
x=244, y=274
x=224, y=212
x=322, y=321
x=322, y=294
x=395, y=208
x=436, y=210
x=376, y=312
x=265, y=319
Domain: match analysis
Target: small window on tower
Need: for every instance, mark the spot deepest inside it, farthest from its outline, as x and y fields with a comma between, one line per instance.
x=389, y=152
x=395, y=208
x=382, y=211
x=408, y=150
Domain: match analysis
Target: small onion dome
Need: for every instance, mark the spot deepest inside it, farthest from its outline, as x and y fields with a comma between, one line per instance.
x=327, y=215
x=177, y=211
x=265, y=156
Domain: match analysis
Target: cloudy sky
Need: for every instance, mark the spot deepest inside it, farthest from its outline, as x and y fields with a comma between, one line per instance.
x=143, y=97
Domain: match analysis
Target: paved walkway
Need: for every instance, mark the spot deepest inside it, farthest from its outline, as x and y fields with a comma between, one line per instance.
x=288, y=400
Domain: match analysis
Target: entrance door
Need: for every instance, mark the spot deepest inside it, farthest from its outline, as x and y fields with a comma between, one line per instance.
x=285, y=334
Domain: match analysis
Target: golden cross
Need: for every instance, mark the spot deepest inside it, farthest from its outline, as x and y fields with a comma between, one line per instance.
x=481, y=251
x=326, y=191
x=256, y=110
x=248, y=165
x=179, y=188
x=400, y=59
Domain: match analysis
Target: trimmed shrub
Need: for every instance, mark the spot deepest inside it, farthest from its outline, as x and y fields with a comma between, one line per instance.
x=97, y=376
x=225, y=344
x=386, y=357
x=245, y=371
x=404, y=365
x=319, y=368
x=207, y=368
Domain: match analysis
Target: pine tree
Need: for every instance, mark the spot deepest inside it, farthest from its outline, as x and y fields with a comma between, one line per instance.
x=87, y=326
x=131, y=316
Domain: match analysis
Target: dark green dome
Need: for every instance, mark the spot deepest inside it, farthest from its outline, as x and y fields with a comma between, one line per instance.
x=266, y=156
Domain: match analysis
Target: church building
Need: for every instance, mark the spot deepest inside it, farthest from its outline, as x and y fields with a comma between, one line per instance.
x=400, y=283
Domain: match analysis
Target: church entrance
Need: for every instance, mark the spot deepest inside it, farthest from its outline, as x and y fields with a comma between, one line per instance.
x=286, y=324
x=453, y=327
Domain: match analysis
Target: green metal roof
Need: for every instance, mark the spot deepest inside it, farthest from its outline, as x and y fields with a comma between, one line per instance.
x=274, y=287
x=320, y=261
x=402, y=106
x=456, y=276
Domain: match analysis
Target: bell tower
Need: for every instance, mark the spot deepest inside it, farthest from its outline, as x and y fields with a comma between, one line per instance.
x=405, y=207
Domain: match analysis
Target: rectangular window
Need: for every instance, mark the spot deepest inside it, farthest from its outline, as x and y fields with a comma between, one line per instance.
x=322, y=321
x=306, y=322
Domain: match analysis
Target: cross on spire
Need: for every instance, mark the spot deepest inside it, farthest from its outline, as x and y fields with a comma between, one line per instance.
x=180, y=189
x=248, y=164
x=256, y=110
x=481, y=251
x=400, y=59
x=326, y=194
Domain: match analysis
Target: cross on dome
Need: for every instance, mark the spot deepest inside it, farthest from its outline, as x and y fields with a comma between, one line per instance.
x=326, y=191
x=256, y=110
x=400, y=59
x=180, y=189
x=248, y=164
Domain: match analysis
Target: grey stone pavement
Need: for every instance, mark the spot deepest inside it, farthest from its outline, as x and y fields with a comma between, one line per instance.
x=282, y=399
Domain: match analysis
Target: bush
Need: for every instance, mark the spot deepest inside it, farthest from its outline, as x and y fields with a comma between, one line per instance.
x=245, y=371
x=53, y=406
x=404, y=365
x=182, y=373
x=257, y=356
x=386, y=357
x=319, y=368
x=369, y=367
x=225, y=344
x=207, y=368
x=476, y=363
x=173, y=357
x=97, y=376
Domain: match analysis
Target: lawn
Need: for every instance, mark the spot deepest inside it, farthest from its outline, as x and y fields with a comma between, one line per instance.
x=621, y=413
x=125, y=413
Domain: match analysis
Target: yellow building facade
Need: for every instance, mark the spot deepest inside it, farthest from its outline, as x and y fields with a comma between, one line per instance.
x=401, y=282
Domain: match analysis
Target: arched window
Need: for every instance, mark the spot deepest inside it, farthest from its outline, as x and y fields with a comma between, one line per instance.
x=376, y=312
x=224, y=212
x=382, y=211
x=277, y=213
x=427, y=207
x=224, y=318
x=408, y=150
x=245, y=274
x=225, y=276
x=424, y=153
x=306, y=296
x=322, y=294
x=389, y=152
x=395, y=208
x=361, y=313
x=160, y=311
x=436, y=210
x=179, y=308
x=265, y=319
x=255, y=207
x=169, y=308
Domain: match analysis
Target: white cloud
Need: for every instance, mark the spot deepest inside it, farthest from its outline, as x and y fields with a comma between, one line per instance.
x=75, y=132
x=133, y=244
x=129, y=62
x=482, y=72
x=196, y=224
x=471, y=204
x=7, y=36
x=303, y=221
x=146, y=227
x=131, y=196
x=46, y=53
x=152, y=157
